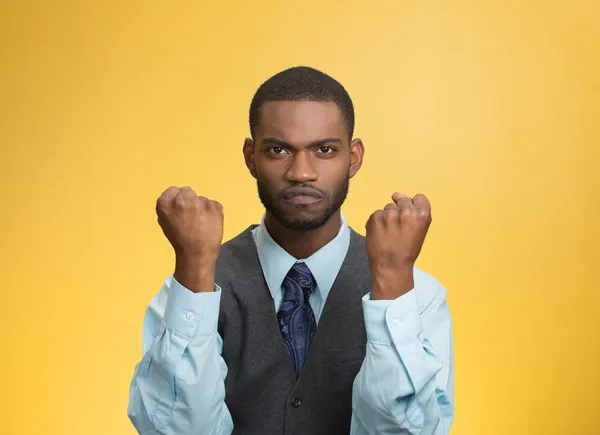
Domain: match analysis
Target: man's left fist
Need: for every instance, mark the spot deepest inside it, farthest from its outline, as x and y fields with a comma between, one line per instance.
x=395, y=236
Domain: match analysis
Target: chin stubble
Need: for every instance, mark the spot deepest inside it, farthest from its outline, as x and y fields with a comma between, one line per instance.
x=339, y=197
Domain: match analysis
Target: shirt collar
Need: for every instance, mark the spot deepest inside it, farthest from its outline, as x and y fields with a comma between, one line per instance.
x=323, y=264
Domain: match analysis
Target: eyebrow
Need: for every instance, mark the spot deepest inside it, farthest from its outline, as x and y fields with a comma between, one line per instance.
x=280, y=143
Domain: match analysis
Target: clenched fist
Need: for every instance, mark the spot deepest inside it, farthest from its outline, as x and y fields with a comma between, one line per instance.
x=395, y=236
x=194, y=226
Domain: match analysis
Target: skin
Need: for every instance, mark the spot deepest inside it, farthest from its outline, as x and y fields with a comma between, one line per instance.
x=302, y=143
x=299, y=147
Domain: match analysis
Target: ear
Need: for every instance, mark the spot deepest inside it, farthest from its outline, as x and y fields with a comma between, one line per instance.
x=357, y=151
x=248, y=151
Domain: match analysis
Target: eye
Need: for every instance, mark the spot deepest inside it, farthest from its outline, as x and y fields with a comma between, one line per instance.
x=277, y=151
x=325, y=149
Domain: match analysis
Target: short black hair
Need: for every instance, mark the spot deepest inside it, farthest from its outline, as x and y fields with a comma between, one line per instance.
x=303, y=83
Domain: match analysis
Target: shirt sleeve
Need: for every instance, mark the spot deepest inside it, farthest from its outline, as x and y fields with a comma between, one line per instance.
x=179, y=385
x=406, y=382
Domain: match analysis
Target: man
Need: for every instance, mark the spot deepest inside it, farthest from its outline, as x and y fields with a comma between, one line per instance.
x=298, y=325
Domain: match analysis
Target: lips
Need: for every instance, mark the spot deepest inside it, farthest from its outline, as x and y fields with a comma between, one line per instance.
x=302, y=200
x=302, y=195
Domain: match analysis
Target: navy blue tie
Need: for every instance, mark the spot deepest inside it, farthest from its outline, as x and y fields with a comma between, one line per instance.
x=296, y=318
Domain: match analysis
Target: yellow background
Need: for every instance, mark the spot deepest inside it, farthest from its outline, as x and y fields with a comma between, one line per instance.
x=491, y=108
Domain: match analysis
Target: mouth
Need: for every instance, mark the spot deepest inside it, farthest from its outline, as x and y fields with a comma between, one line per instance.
x=302, y=199
x=302, y=196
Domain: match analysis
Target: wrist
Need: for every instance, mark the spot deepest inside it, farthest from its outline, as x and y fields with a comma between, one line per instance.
x=391, y=283
x=196, y=273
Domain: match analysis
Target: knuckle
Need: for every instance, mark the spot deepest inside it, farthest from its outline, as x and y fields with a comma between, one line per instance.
x=173, y=190
x=391, y=214
x=199, y=203
x=378, y=215
x=179, y=201
x=375, y=216
x=205, y=204
x=217, y=206
x=188, y=189
x=167, y=193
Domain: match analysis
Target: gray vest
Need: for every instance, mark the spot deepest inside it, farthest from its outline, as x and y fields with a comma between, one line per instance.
x=262, y=392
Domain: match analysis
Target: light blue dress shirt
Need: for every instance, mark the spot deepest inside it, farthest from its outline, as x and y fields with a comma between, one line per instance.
x=405, y=384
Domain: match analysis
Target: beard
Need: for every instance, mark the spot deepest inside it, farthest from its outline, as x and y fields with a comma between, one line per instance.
x=308, y=223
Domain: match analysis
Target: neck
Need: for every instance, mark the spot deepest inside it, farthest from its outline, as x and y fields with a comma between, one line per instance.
x=303, y=243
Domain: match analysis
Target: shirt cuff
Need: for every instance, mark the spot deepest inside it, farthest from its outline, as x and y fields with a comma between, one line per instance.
x=189, y=313
x=393, y=321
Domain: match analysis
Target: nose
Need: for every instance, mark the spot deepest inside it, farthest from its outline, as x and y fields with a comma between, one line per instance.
x=302, y=169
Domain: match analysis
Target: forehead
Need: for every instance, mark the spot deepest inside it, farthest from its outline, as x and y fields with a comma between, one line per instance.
x=299, y=122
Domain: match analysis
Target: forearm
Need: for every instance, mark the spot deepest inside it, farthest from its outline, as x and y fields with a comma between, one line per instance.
x=178, y=387
x=405, y=382
x=172, y=397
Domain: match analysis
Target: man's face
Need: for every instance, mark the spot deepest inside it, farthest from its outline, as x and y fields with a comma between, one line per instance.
x=302, y=161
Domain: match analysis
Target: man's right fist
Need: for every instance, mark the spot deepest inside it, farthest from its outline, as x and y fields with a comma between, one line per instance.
x=193, y=224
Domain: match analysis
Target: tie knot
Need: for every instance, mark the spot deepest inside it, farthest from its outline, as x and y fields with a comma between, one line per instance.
x=299, y=283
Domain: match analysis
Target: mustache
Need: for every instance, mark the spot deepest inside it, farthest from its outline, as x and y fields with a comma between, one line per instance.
x=303, y=190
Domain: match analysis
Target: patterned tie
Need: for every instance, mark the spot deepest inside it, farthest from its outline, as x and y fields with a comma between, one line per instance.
x=296, y=317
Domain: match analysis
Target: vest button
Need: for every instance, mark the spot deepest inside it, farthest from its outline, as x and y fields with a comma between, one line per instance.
x=296, y=402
